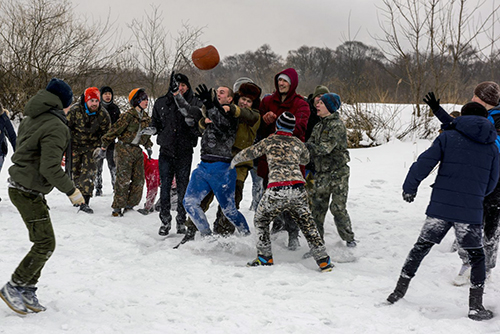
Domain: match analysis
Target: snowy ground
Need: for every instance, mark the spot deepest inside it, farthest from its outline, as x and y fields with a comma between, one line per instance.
x=117, y=275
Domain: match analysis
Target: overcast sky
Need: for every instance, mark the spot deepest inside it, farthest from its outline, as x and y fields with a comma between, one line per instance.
x=235, y=26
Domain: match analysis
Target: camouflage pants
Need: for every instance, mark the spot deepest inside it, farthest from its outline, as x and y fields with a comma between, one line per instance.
x=276, y=200
x=35, y=213
x=83, y=170
x=337, y=186
x=129, y=176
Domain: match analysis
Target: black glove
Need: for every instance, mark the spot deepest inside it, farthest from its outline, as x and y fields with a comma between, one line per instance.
x=431, y=101
x=150, y=153
x=205, y=95
x=408, y=197
x=174, y=85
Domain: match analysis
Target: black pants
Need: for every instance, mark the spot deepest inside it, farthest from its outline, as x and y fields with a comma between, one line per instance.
x=422, y=248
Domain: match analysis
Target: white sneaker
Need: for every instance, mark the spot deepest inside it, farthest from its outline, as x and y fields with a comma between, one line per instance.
x=463, y=276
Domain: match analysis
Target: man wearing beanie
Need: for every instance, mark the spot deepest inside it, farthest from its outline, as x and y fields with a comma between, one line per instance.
x=43, y=137
x=132, y=131
x=284, y=99
x=88, y=121
x=285, y=191
x=486, y=94
x=328, y=148
x=175, y=118
x=468, y=170
x=114, y=113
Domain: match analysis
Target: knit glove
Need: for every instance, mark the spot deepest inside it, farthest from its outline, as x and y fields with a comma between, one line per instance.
x=233, y=164
x=76, y=197
x=99, y=154
x=174, y=85
x=408, y=197
x=431, y=101
x=148, y=131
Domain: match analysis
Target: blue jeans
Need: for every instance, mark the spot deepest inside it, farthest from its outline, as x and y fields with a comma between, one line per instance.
x=221, y=180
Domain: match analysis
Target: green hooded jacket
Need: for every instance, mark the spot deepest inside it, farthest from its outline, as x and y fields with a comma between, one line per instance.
x=42, y=139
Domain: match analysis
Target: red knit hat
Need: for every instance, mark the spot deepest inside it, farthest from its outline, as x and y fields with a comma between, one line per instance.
x=92, y=93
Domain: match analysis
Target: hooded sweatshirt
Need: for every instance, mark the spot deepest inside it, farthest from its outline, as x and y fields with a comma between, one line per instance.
x=42, y=139
x=468, y=171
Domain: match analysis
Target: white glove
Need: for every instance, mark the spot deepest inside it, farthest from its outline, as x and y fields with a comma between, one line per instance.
x=149, y=131
x=233, y=164
x=99, y=154
x=76, y=197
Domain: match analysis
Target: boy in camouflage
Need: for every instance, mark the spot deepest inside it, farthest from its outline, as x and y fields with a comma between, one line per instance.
x=328, y=148
x=285, y=191
x=132, y=130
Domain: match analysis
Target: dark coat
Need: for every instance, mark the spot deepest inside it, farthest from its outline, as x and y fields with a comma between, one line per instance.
x=174, y=135
x=468, y=171
x=6, y=129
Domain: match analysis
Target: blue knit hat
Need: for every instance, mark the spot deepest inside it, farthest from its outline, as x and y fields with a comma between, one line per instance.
x=62, y=90
x=331, y=101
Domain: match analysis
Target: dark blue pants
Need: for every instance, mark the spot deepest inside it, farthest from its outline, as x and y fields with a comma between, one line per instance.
x=221, y=180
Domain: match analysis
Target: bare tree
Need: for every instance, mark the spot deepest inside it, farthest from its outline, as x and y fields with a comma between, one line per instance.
x=156, y=53
x=40, y=39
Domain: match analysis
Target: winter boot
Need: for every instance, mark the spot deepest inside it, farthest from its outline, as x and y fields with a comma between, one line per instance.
x=117, y=213
x=476, y=309
x=261, y=260
x=463, y=276
x=351, y=244
x=98, y=192
x=400, y=290
x=86, y=208
x=189, y=236
x=164, y=228
x=325, y=264
x=128, y=208
x=144, y=211
x=11, y=295
x=30, y=300
x=181, y=229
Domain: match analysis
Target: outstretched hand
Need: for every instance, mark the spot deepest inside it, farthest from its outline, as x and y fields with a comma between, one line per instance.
x=205, y=95
x=431, y=101
x=409, y=197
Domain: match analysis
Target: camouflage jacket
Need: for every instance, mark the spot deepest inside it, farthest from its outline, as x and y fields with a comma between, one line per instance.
x=87, y=130
x=328, y=144
x=127, y=127
x=284, y=155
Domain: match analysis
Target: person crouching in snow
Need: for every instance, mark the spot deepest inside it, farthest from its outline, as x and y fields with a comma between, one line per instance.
x=468, y=171
x=152, y=175
x=285, y=191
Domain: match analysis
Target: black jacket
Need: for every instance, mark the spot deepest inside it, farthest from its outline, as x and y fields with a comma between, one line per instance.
x=174, y=135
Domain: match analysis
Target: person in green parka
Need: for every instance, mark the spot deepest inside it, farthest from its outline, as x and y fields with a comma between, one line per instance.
x=43, y=137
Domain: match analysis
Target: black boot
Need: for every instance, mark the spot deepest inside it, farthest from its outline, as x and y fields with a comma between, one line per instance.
x=476, y=309
x=400, y=290
x=85, y=206
x=189, y=236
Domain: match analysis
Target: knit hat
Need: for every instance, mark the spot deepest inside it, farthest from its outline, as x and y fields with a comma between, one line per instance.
x=488, y=92
x=286, y=122
x=320, y=90
x=240, y=81
x=249, y=90
x=136, y=96
x=474, y=108
x=285, y=77
x=331, y=101
x=179, y=77
x=92, y=93
x=62, y=90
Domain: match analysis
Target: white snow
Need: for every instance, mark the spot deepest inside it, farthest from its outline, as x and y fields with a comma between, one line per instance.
x=117, y=275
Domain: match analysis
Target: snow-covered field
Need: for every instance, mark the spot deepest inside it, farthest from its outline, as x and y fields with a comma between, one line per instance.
x=117, y=275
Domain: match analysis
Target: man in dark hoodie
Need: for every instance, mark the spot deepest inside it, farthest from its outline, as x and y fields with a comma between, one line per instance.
x=486, y=94
x=114, y=113
x=42, y=139
x=284, y=99
x=175, y=118
x=468, y=171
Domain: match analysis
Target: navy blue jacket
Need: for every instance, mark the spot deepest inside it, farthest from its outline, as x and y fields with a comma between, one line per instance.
x=468, y=171
x=6, y=128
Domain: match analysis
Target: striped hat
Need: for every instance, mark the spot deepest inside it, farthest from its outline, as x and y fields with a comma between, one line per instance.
x=286, y=122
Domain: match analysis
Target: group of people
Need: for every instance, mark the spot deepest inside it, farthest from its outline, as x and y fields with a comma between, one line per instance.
x=296, y=146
